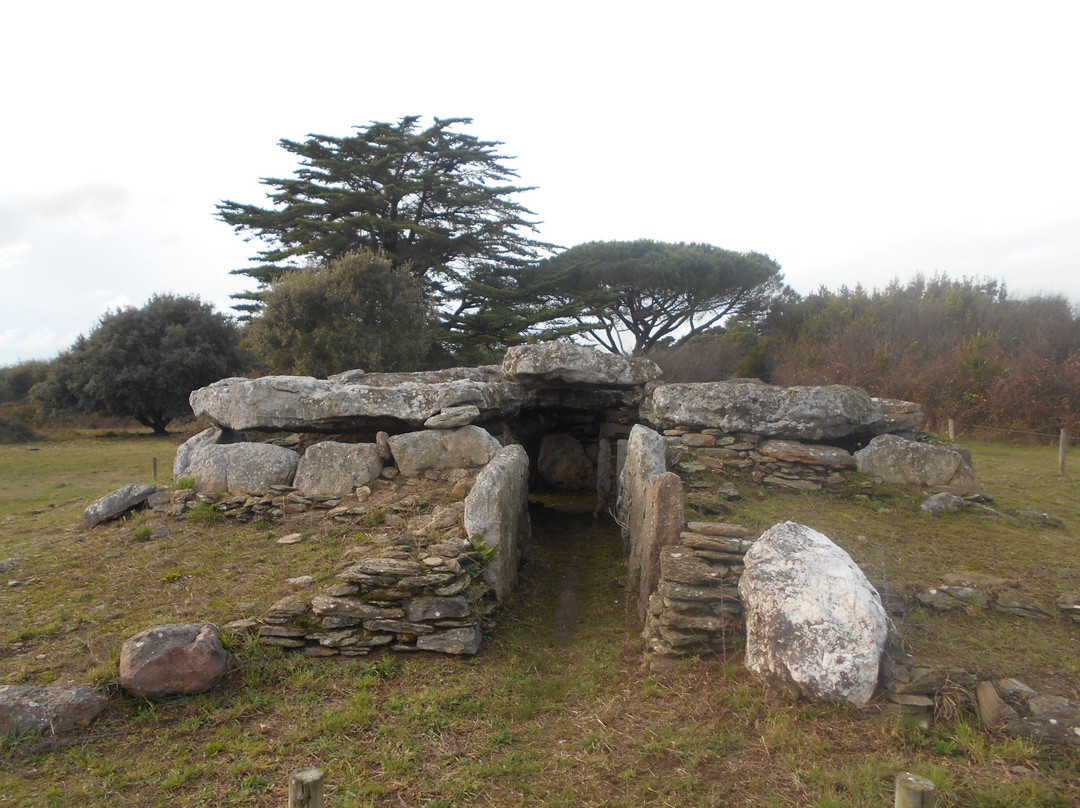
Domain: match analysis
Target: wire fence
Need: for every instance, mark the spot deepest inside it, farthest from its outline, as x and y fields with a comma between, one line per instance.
x=1049, y=438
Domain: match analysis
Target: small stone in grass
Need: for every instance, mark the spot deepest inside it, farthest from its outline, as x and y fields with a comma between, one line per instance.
x=292, y=538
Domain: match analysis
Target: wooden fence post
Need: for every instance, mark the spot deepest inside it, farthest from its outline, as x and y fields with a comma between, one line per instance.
x=306, y=788
x=913, y=791
x=1063, y=443
x=155, y=468
x=952, y=429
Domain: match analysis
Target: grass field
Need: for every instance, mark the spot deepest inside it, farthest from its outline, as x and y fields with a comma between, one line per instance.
x=557, y=709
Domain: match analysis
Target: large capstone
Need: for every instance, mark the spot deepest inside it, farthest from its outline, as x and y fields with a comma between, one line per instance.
x=438, y=449
x=815, y=627
x=497, y=514
x=242, y=468
x=796, y=413
x=906, y=462
x=372, y=401
x=555, y=364
x=333, y=469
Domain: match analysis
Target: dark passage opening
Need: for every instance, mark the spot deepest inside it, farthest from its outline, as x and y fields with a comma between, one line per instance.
x=575, y=572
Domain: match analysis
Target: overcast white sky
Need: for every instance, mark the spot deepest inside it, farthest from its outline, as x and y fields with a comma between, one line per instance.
x=853, y=142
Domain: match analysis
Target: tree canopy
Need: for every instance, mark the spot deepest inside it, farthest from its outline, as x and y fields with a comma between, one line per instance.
x=653, y=292
x=358, y=311
x=432, y=198
x=144, y=363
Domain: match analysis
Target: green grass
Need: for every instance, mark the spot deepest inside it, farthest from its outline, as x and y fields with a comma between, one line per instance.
x=557, y=709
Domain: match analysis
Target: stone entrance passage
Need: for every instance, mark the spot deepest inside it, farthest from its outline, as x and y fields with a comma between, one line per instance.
x=575, y=564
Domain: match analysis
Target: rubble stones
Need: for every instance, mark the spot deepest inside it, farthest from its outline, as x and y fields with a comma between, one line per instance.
x=464, y=641
x=942, y=502
x=453, y=417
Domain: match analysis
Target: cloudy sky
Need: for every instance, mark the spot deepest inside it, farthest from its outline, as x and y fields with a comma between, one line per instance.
x=853, y=142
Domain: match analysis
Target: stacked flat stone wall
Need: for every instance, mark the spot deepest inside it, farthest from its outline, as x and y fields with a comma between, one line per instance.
x=696, y=607
x=782, y=463
x=428, y=599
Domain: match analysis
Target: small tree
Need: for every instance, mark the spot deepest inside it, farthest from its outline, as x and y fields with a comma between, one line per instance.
x=651, y=291
x=358, y=311
x=143, y=363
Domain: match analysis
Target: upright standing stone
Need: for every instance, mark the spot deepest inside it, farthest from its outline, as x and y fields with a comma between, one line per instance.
x=242, y=468
x=662, y=523
x=438, y=449
x=563, y=464
x=332, y=469
x=497, y=512
x=645, y=458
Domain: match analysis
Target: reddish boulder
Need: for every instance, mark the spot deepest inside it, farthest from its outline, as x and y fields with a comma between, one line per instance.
x=173, y=660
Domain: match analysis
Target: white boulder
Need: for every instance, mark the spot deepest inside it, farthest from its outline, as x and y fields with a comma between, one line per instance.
x=815, y=627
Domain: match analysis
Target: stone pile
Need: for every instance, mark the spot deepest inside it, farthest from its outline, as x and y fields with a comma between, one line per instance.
x=696, y=605
x=393, y=601
x=1005, y=704
x=423, y=583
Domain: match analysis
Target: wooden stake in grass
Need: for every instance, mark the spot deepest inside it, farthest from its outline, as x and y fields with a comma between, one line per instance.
x=913, y=791
x=306, y=788
x=1063, y=443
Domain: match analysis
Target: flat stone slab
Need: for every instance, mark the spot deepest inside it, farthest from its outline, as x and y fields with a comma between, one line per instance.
x=375, y=401
x=116, y=503
x=794, y=452
x=47, y=708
